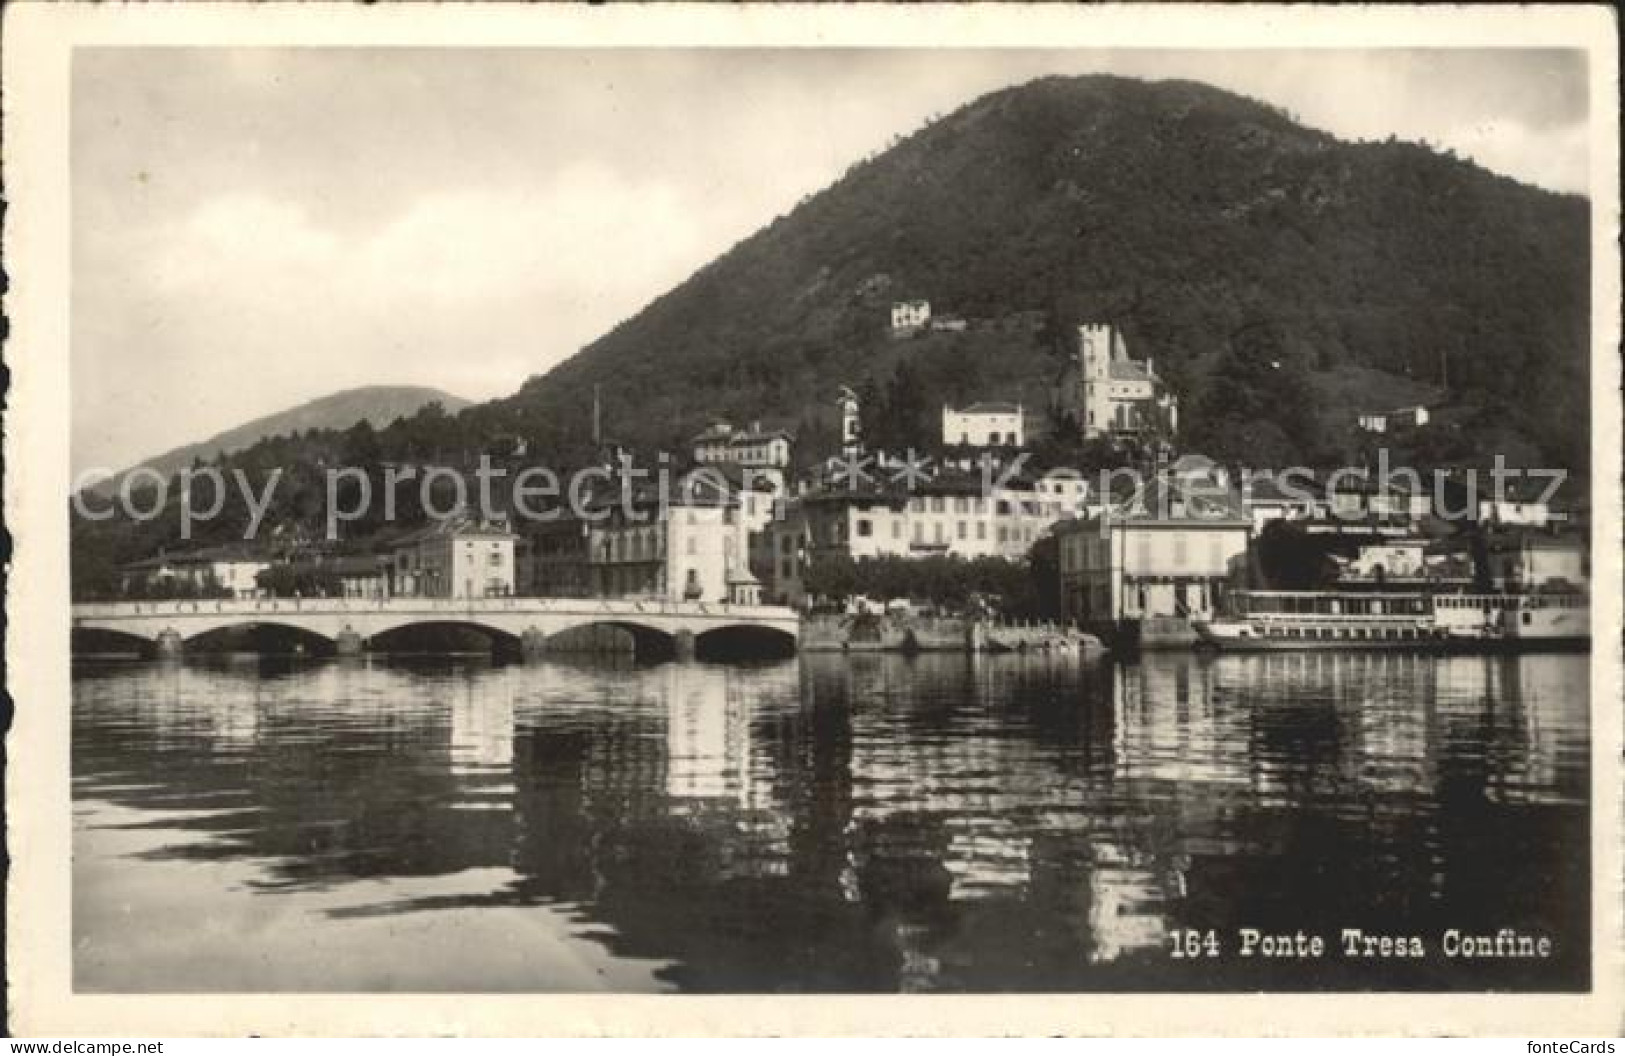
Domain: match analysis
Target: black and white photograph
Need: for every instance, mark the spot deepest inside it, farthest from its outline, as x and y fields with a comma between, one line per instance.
x=1094, y=517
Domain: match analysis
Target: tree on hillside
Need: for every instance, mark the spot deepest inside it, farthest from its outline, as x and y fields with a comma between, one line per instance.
x=1258, y=407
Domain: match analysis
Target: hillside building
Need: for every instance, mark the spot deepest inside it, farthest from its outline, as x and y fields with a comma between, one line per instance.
x=1398, y=418
x=909, y=317
x=984, y=425
x=1116, y=395
x=761, y=456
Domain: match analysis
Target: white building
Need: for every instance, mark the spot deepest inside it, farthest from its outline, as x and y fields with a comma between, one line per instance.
x=216, y=570
x=1398, y=418
x=985, y=425
x=458, y=557
x=941, y=518
x=755, y=447
x=909, y=316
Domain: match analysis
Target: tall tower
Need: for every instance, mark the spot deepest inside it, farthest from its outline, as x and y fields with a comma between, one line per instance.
x=1095, y=348
x=851, y=437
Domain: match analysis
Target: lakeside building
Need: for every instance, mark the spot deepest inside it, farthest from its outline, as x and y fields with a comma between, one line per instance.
x=1538, y=560
x=1519, y=501
x=1290, y=498
x=551, y=559
x=1159, y=558
x=946, y=516
x=458, y=557
x=1114, y=395
x=1362, y=496
x=223, y=570
x=690, y=544
x=358, y=575
x=985, y=425
x=778, y=556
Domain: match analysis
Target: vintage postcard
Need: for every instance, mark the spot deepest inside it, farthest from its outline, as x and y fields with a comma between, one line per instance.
x=930, y=520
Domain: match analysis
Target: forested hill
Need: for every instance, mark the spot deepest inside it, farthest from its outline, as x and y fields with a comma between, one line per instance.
x=1186, y=215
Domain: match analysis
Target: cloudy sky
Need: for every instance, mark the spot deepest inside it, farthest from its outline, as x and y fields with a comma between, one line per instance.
x=255, y=228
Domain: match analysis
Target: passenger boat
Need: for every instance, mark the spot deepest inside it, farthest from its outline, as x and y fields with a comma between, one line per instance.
x=1270, y=620
x=1273, y=619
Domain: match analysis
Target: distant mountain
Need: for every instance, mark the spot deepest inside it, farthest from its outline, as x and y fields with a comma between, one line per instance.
x=1184, y=214
x=378, y=405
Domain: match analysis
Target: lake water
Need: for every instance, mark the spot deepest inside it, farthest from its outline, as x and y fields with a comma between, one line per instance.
x=872, y=823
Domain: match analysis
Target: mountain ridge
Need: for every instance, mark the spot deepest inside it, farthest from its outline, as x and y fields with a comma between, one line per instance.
x=379, y=405
x=1178, y=211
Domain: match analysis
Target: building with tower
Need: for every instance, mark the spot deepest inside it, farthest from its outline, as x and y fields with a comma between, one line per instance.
x=1116, y=395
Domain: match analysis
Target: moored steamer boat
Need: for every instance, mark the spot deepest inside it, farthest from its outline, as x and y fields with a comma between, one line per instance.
x=1272, y=620
x=1289, y=620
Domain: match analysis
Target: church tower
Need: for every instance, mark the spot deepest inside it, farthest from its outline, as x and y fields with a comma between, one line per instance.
x=851, y=436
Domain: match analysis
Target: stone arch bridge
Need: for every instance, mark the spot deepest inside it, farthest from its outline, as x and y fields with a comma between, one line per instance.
x=349, y=624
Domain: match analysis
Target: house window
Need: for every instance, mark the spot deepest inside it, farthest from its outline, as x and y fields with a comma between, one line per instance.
x=962, y=531
x=494, y=558
x=866, y=528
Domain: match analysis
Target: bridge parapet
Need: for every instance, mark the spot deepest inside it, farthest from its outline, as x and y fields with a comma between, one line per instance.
x=333, y=618
x=447, y=606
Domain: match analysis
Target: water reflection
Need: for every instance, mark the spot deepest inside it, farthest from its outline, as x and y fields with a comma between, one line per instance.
x=828, y=824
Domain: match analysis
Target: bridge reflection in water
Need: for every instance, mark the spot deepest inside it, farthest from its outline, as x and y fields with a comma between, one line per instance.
x=864, y=823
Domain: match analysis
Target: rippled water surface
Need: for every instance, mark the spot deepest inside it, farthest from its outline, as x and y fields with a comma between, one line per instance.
x=872, y=823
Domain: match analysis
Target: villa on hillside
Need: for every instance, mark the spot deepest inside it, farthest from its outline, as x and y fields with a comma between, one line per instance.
x=985, y=425
x=908, y=317
x=1112, y=394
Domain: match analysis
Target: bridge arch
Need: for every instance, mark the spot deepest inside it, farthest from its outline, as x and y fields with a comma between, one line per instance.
x=107, y=641
x=450, y=635
x=265, y=637
x=744, y=641
x=609, y=634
